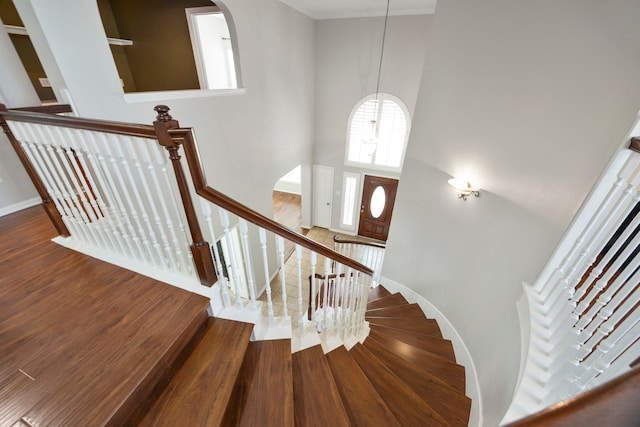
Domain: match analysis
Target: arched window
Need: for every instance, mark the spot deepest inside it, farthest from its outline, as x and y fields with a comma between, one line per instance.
x=378, y=133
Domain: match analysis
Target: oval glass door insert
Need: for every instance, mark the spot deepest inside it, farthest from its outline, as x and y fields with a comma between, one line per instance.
x=378, y=201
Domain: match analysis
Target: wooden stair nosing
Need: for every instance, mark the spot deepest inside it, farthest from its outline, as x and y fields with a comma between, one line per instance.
x=208, y=375
x=440, y=346
x=316, y=397
x=407, y=406
x=267, y=365
x=406, y=310
x=378, y=292
x=361, y=400
x=389, y=300
x=447, y=400
x=176, y=357
x=449, y=372
x=111, y=394
x=420, y=326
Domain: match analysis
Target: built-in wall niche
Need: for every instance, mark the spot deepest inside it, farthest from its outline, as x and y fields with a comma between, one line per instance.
x=169, y=45
x=25, y=50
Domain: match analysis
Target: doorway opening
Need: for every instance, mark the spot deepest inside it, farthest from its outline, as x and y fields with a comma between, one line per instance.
x=287, y=204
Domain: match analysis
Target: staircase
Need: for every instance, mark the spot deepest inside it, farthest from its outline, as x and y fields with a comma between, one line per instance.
x=195, y=370
x=404, y=374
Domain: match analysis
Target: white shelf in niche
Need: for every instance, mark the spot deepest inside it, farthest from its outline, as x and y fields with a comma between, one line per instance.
x=22, y=31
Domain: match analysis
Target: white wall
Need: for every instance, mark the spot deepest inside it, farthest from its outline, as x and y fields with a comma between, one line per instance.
x=16, y=190
x=247, y=141
x=531, y=98
x=347, y=60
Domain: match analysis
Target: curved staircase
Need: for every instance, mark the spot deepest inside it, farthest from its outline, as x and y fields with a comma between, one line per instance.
x=404, y=374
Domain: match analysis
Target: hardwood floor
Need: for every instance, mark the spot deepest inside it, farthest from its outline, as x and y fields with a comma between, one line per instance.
x=85, y=343
x=287, y=210
x=65, y=322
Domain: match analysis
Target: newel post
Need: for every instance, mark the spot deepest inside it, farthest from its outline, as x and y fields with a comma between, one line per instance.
x=200, y=249
x=47, y=202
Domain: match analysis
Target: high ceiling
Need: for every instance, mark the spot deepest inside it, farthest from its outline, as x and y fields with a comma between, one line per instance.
x=330, y=9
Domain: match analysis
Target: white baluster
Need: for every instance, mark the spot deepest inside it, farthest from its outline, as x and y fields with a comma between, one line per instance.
x=34, y=157
x=609, y=318
x=325, y=302
x=607, y=351
x=56, y=172
x=156, y=159
x=102, y=189
x=621, y=210
x=363, y=284
x=224, y=282
x=312, y=285
x=180, y=235
x=224, y=220
x=247, y=258
x=91, y=193
x=604, y=306
x=66, y=158
x=299, y=265
x=267, y=278
x=613, y=268
x=133, y=197
x=337, y=298
x=570, y=264
x=280, y=245
x=357, y=306
x=109, y=166
x=134, y=151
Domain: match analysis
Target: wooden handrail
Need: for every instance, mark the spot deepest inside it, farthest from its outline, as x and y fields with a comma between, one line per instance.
x=199, y=248
x=614, y=403
x=337, y=239
x=167, y=131
x=634, y=145
x=47, y=109
x=29, y=116
x=47, y=202
x=184, y=137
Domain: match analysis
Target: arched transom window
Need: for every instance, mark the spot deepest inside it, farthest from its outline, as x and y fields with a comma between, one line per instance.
x=378, y=133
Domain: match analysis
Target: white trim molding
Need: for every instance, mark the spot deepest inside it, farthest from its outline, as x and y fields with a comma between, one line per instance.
x=20, y=206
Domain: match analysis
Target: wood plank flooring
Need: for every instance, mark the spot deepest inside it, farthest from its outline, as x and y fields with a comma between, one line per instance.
x=77, y=335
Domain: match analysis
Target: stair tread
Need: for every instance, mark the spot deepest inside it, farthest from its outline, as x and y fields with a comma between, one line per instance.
x=407, y=406
x=420, y=326
x=440, y=346
x=378, y=292
x=431, y=385
x=364, y=405
x=405, y=310
x=81, y=370
x=208, y=375
x=389, y=300
x=267, y=365
x=316, y=397
x=450, y=373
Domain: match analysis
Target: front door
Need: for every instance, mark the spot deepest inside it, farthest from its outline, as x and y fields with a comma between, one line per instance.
x=378, y=197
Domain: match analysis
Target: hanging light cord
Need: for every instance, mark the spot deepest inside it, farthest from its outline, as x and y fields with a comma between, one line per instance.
x=384, y=34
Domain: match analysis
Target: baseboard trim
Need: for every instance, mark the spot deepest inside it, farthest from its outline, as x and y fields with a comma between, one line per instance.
x=7, y=210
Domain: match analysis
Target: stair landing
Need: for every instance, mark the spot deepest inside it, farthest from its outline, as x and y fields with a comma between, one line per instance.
x=82, y=342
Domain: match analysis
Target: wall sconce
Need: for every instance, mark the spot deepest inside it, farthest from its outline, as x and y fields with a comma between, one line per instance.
x=464, y=188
